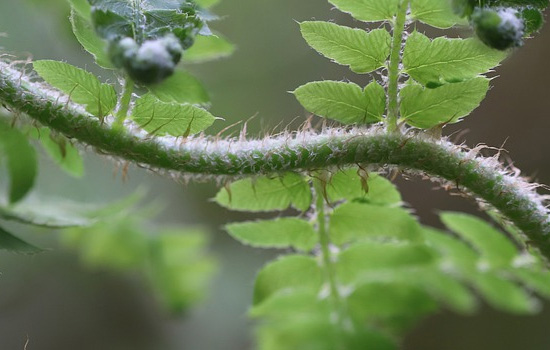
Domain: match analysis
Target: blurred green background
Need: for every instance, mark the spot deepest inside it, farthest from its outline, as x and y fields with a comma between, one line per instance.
x=56, y=303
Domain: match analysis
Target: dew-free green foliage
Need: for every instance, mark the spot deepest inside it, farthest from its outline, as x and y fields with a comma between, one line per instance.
x=451, y=70
x=20, y=158
x=81, y=86
x=347, y=103
x=362, y=51
x=267, y=194
x=174, y=261
x=384, y=271
x=169, y=118
x=181, y=87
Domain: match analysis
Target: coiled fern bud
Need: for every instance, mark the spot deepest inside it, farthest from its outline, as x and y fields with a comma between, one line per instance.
x=502, y=24
x=147, y=38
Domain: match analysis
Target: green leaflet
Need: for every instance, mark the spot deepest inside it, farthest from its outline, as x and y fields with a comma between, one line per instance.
x=359, y=221
x=266, y=194
x=174, y=261
x=347, y=184
x=425, y=108
x=181, y=87
x=495, y=248
x=290, y=272
x=86, y=36
x=319, y=332
x=82, y=87
x=181, y=267
x=398, y=306
x=343, y=102
x=368, y=10
x=207, y=48
x=437, y=13
x=62, y=152
x=278, y=233
x=53, y=213
x=82, y=8
x=362, y=51
x=504, y=295
x=207, y=3
x=362, y=258
x=12, y=244
x=20, y=159
x=161, y=118
x=446, y=60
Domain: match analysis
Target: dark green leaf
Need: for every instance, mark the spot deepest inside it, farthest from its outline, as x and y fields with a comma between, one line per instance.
x=13, y=244
x=20, y=161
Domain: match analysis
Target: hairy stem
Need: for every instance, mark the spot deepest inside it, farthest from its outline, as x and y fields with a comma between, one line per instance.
x=393, y=68
x=485, y=178
x=125, y=101
x=324, y=240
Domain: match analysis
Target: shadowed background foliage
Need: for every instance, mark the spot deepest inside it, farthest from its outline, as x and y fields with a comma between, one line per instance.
x=56, y=303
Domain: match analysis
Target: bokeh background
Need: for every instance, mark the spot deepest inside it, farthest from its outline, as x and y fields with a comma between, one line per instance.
x=55, y=302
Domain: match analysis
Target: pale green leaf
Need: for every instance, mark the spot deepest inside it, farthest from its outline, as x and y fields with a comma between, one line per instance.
x=368, y=10
x=320, y=333
x=365, y=257
x=437, y=13
x=82, y=7
x=181, y=267
x=266, y=194
x=278, y=233
x=425, y=108
x=347, y=184
x=359, y=221
x=161, y=118
x=495, y=248
x=50, y=213
x=504, y=295
x=535, y=279
x=20, y=159
x=65, y=154
x=81, y=86
x=87, y=37
x=362, y=51
x=446, y=60
x=206, y=3
x=399, y=306
x=290, y=303
x=181, y=87
x=289, y=272
x=343, y=102
x=207, y=48
x=452, y=251
x=13, y=244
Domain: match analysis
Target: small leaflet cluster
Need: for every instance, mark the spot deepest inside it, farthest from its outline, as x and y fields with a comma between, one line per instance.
x=442, y=80
x=363, y=271
x=173, y=261
x=173, y=104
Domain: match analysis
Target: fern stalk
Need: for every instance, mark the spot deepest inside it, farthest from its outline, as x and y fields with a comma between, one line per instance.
x=393, y=68
x=485, y=178
x=124, y=105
